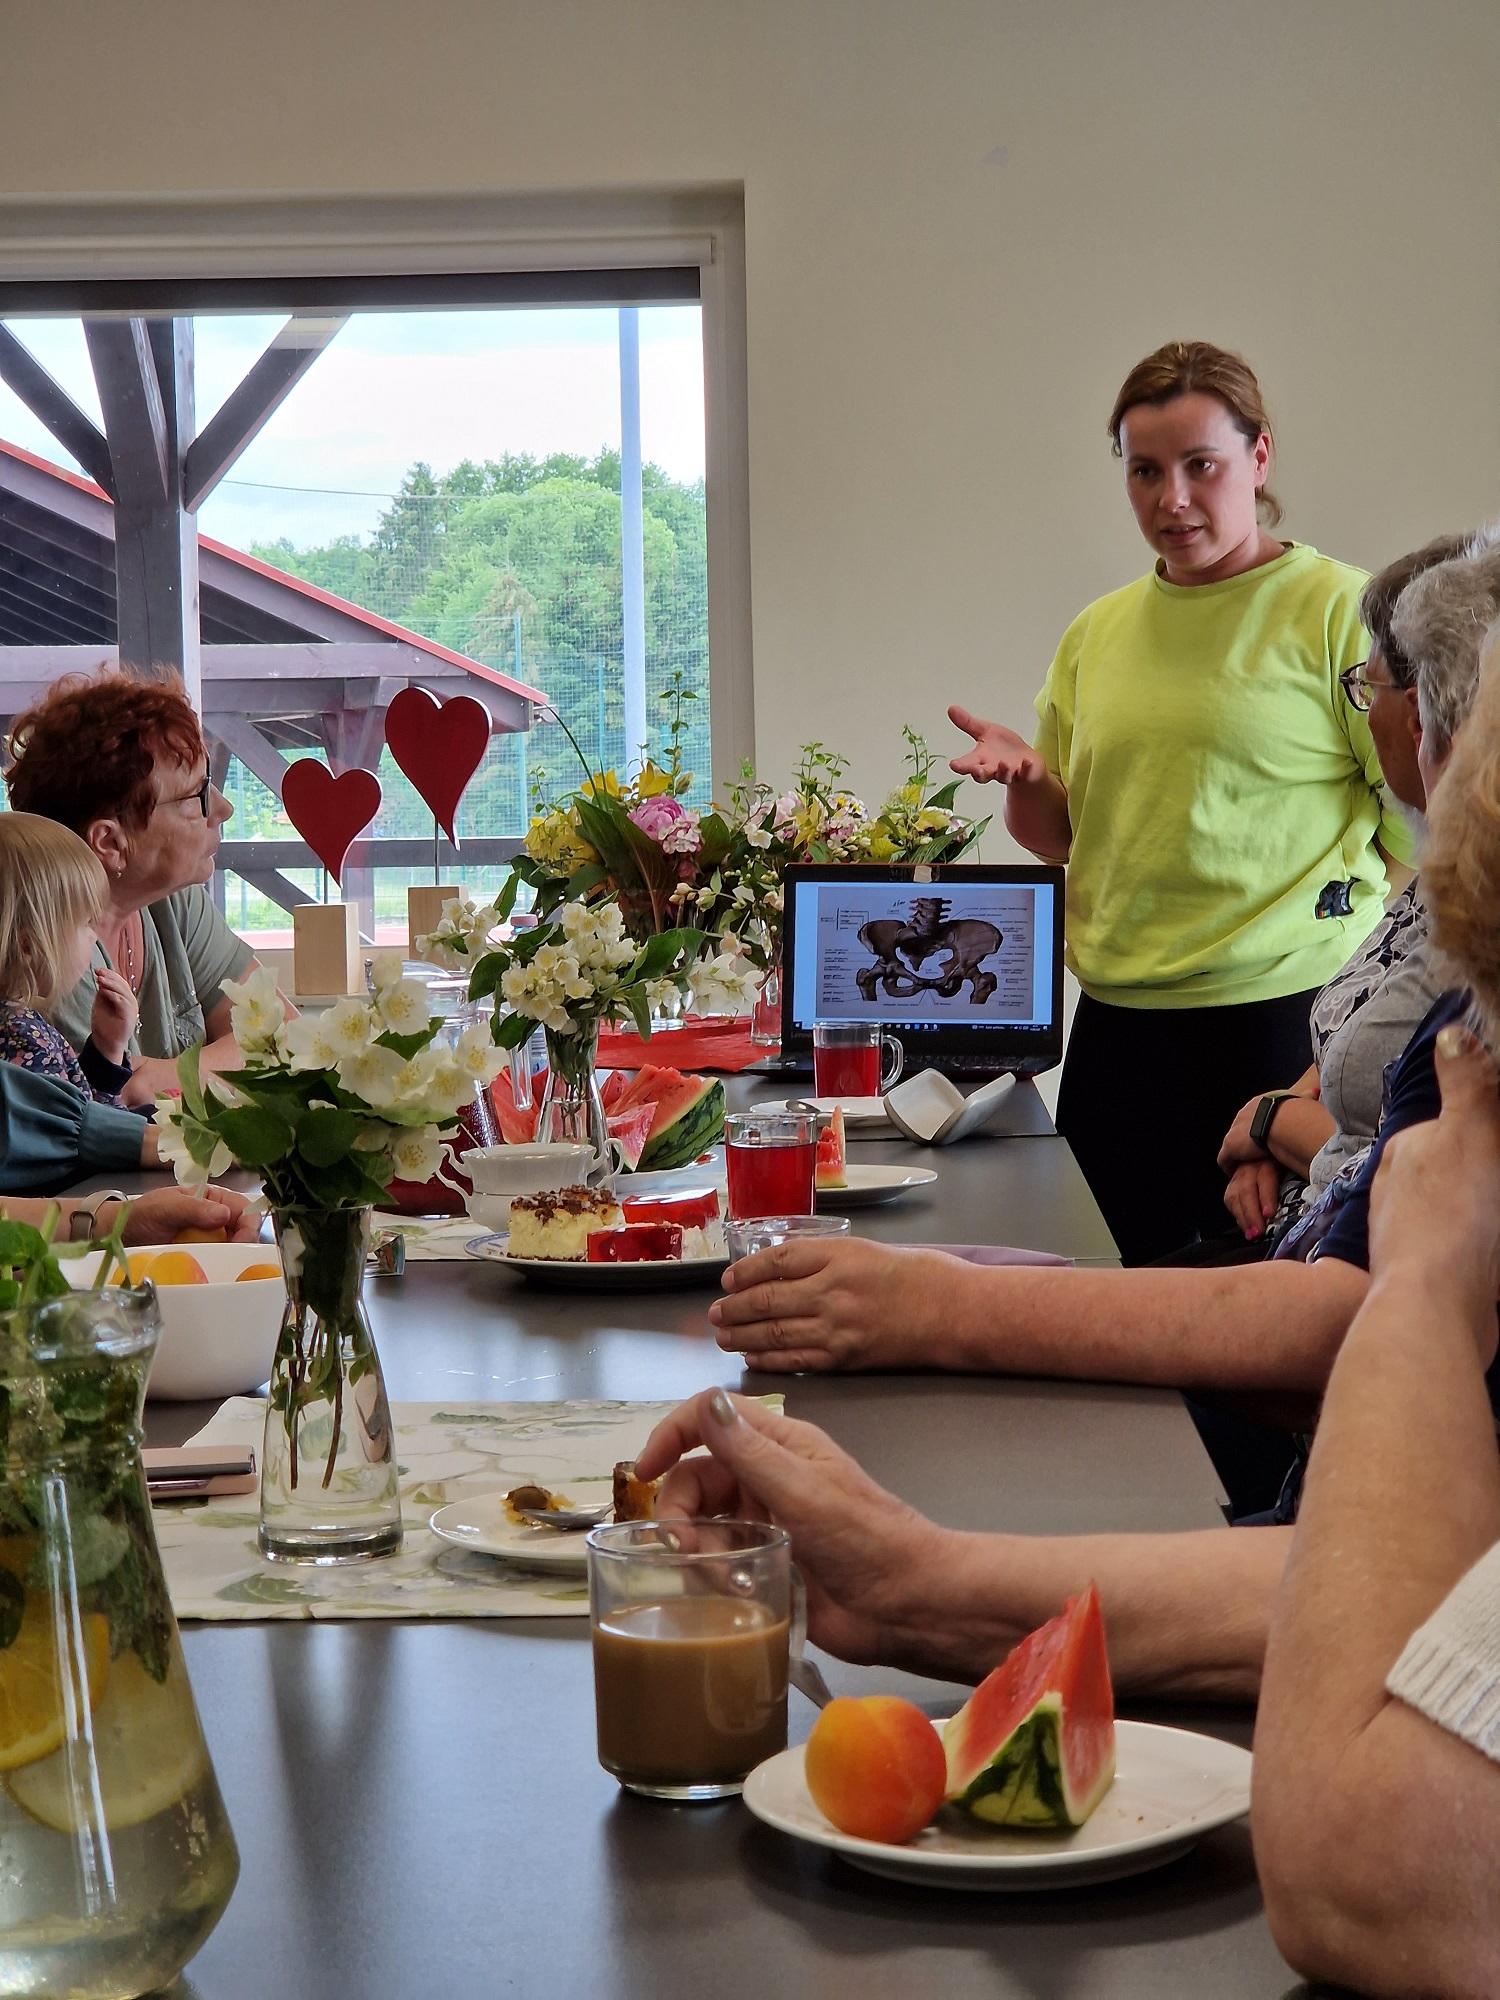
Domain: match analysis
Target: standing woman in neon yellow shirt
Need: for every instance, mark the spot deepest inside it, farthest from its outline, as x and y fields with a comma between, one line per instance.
x=1215, y=794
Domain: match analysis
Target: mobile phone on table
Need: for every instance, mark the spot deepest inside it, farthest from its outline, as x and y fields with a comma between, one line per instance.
x=196, y=1471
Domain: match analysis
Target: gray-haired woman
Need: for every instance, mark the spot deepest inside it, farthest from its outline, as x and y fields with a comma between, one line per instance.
x=1426, y=614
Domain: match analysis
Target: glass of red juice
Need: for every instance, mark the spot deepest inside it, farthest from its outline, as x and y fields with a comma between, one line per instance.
x=854, y=1059
x=770, y=1156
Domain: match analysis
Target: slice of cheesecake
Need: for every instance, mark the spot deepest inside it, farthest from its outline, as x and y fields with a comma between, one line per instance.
x=556, y=1225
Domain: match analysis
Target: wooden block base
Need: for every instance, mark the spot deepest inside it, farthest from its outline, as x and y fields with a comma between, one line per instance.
x=326, y=954
x=424, y=910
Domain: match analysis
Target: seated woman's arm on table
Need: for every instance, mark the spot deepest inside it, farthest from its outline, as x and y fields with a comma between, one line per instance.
x=1187, y=1614
x=1377, y=1793
x=159, y=1216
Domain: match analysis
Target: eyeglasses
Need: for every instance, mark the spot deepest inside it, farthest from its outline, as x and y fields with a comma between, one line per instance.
x=200, y=797
x=1358, y=688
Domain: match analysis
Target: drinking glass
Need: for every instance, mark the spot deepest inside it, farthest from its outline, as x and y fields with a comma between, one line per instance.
x=743, y=1239
x=770, y=1157
x=854, y=1059
x=691, y=1624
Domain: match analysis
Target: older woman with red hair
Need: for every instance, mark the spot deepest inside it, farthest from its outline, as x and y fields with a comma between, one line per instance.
x=122, y=761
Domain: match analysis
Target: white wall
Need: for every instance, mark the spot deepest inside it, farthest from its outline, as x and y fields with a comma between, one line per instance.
x=965, y=220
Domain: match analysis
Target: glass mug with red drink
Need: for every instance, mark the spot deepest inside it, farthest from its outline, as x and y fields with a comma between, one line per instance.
x=854, y=1059
x=770, y=1157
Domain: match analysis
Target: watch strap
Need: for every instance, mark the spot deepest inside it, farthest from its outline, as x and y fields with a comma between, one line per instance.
x=1265, y=1117
x=86, y=1209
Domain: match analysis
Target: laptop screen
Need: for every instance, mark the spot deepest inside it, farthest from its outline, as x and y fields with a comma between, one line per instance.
x=965, y=962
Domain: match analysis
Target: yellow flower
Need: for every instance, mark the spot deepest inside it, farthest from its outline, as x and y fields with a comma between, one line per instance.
x=606, y=782
x=882, y=847
x=554, y=840
x=909, y=796
x=652, y=782
x=934, y=820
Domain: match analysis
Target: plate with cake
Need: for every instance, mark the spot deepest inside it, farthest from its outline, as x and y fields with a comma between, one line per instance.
x=590, y=1239
x=491, y=1524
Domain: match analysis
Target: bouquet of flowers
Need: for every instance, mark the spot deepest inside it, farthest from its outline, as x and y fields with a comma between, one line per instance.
x=329, y=1108
x=715, y=872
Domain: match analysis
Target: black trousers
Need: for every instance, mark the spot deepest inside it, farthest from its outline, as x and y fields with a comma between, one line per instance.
x=1147, y=1095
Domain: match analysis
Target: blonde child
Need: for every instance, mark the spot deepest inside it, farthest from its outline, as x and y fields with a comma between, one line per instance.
x=52, y=889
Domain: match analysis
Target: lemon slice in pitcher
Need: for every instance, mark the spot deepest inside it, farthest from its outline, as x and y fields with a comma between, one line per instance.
x=33, y=1699
x=148, y=1752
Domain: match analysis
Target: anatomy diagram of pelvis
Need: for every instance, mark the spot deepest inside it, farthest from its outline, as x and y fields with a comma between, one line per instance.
x=902, y=947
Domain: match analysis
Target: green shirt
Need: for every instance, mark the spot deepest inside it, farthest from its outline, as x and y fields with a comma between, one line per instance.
x=1219, y=782
x=190, y=952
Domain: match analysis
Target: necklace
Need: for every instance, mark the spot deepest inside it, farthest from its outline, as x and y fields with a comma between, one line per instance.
x=127, y=941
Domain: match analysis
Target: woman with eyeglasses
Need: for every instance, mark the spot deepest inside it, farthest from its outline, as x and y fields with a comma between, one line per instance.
x=1289, y=1141
x=123, y=763
x=1216, y=799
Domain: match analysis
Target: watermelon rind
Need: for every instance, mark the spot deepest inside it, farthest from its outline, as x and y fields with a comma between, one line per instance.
x=1024, y=1783
x=698, y=1125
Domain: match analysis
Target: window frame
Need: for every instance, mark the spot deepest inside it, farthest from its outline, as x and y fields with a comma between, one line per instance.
x=47, y=242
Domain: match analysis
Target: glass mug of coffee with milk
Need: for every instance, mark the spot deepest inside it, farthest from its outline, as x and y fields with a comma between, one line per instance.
x=691, y=1624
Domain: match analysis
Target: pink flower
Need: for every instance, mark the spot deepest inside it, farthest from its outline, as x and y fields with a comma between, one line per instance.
x=673, y=827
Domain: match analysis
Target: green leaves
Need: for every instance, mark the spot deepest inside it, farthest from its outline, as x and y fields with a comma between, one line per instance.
x=255, y=1134
x=325, y=1134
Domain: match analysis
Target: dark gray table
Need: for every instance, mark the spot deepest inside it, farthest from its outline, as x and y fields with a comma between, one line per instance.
x=391, y=1784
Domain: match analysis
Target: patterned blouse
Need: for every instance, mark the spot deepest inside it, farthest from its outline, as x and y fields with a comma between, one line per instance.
x=28, y=1039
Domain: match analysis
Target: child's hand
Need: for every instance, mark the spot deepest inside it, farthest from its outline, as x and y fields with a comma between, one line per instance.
x=114, y=1015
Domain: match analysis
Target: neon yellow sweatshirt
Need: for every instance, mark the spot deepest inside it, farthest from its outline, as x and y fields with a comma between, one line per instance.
x=1220, y=786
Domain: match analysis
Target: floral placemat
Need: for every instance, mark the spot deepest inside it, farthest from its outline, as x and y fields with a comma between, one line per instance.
x=214, y=1570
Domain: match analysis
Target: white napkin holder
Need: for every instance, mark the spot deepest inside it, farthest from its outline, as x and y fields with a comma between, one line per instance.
x=934, y=1112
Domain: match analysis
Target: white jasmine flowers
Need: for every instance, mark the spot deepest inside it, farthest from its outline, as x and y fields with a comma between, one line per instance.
x=256, y=1011
x=403, y=1007
x=417, y=1153
x=377, y=1075
x=175, y=1153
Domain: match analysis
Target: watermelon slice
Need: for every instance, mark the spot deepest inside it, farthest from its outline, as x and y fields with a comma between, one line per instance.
x=1034, y=1745
x=689, y=1118
x=831, y=1157
x=630, y=1129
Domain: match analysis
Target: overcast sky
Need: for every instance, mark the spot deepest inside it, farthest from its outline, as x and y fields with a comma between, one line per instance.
x=395, y=387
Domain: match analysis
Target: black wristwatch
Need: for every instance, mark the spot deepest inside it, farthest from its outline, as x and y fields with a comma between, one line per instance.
x=1265, y=1117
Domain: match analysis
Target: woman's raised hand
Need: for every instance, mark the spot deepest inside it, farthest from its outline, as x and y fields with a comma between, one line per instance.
x=859, y=1548
x=115, y=1012
x=999, y=755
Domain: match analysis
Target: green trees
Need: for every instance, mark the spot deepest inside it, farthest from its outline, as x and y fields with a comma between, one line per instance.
x=516, y=562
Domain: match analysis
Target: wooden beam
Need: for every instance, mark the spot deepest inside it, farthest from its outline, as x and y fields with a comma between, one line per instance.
x=240, y=737
x=247, y=408
x=145, y=380
x=51, y=405
x=247, y=856
x=135, y=421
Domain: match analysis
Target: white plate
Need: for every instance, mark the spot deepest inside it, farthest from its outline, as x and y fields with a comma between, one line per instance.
x=869, y=1185
x=482, y=1524
x=1171, y=1787
x=861, y=1114
x=584, y=1277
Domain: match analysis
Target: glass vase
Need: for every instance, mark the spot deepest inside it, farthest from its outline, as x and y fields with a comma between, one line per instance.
x=116, y=1856
x=765, y=1019
x=328, y=1491
x=571, y=1107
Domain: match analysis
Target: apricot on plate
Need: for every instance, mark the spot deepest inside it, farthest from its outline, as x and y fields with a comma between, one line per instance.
x=875, y=1767
x=257, y=1271
x=138, y=1263
x=177, y=1267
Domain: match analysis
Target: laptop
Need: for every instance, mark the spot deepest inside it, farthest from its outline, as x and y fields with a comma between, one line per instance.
x=963, y=963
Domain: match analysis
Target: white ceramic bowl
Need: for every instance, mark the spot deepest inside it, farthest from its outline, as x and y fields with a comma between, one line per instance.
x=217, y=1339
x=490, y=1212
x=512, y=1170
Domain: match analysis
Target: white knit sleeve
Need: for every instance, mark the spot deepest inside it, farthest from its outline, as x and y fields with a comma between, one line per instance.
x=1450, y=1668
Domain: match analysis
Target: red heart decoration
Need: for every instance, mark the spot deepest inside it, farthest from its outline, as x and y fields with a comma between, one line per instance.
x=330, y=813
x=439, y=745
